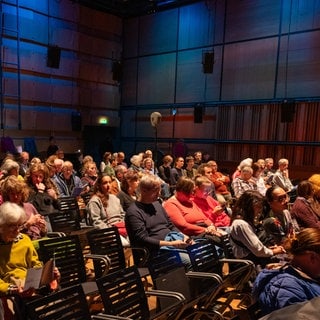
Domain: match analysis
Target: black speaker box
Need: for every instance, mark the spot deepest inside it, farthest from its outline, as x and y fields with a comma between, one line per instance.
x=53, y=57
x=288, y=109
x=208, y=62
x=117, y=71
x=76, y=121
x=197, y=114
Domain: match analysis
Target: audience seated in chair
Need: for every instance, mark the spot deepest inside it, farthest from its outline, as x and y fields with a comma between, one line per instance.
x=212, y=208
x=185, y=214
x=278, y=223
x=16, y=191
x=104, y=209
x=243, y=236
x=305, y=208
x=17, y=252
x=148, y=224
x=296, y=281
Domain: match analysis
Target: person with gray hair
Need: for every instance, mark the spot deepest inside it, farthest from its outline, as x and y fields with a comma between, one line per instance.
x=244, y=182
x=10, y=167
x=17, y=253
x=149, y=226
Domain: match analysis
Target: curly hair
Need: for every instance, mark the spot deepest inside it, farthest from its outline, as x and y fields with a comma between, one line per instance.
x=244, y=206
x=11, y=185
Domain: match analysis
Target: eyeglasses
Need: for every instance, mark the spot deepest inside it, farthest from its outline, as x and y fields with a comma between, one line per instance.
x=282, y=199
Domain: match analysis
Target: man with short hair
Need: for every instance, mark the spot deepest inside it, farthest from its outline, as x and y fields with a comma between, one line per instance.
x=148, y=224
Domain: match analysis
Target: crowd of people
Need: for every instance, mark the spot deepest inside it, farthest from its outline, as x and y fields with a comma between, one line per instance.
x=270, y=221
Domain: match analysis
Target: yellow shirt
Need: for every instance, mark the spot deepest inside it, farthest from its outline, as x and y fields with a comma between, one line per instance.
x=15, y=258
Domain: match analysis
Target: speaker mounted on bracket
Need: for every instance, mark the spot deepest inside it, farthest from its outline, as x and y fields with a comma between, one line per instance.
x=207, y=61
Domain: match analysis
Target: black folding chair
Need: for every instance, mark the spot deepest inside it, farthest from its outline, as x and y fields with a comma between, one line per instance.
x=69, y=258
x=235, y=284
x=123, y=294
x=168, y=273
x=67, y=304
x=108, y=242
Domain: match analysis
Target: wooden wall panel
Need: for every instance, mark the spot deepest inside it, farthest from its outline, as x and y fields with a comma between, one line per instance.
x=129, y=82
x=194, y=30
x=158, y=33
x=156, y=79
x=249, y=70
x=252, y=19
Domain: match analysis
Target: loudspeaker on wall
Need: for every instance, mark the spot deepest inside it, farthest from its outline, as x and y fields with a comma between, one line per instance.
x=197, y=114
x=76, y=121
x=117, y=71
x=288, y=109
x=208, y=61
x=53, y=57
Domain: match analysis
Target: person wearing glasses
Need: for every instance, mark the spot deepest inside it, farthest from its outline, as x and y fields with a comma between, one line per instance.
x=17, y=256
x=294, y=282
x=244, y=234
x=278, y=223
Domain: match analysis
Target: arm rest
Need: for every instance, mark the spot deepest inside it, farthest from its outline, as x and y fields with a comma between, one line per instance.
x=145, y=257
x=205, y=275
x=104, y=258
x=101, y=316
x=242, y=261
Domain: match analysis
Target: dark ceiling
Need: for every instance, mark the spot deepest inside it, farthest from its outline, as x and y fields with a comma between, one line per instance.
x=133, y=8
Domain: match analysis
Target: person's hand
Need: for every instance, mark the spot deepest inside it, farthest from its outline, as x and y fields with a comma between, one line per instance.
x=218, y=210
x=277, y=250
x=40, y=187
x=180, y=244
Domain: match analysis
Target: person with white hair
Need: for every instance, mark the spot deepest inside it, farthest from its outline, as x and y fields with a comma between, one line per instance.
x=244, y=163
x=244, y=182
x=17, y=252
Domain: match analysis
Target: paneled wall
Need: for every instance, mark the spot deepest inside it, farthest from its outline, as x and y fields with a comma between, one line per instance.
x=265, y=52
x=43, y=101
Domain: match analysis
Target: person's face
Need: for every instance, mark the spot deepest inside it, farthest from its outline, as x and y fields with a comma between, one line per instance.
x=148, y=165
x=121, y=173
x=133, y=184
x=92, y=170
x=208, y=172
x=11, y=230
x=67, y=172
x=58, y=167
x=279, y=201
x=106, y=184
x=214, y=167
x=37, y=177
x=262, y=164
x=15, y=197
x=269, y=164
x=60, y=154
x=120, y=157
x=257, y=207
x=198, y=156
x=203, y=191
x=190, y=163
x=283, y=166
x=25, y=158
x=184, y=196
x=180, y=163
x=246, y=175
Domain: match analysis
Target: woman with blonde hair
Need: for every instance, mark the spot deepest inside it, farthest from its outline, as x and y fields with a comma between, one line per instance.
x=296, y=281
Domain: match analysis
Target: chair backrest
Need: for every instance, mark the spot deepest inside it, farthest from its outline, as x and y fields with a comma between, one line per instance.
x=123, y=294
x=227, y=248
x=65, y=304
x=67, y=219
x=168, y=273
x=204, y=258
x=68, y=257
x=106, y=242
